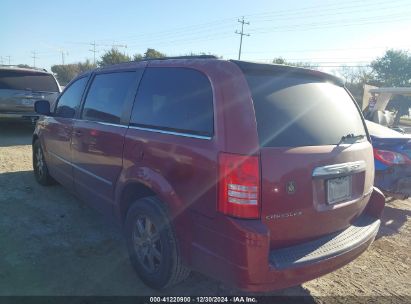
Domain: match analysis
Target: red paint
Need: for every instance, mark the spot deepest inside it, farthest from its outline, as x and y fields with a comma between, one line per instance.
x=184, y=173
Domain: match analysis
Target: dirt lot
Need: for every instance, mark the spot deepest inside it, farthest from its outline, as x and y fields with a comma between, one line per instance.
x=53, y=244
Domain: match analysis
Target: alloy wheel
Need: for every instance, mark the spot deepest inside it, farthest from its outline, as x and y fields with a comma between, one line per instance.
x=147, y=244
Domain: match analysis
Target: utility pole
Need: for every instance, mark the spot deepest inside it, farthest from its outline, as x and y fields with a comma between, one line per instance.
x=94, y=51
x=34, y=58
x=9, y=58
x=241, y=34
x=63, y=54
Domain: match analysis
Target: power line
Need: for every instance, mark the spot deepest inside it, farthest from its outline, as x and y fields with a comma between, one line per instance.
x=327, y=49
x=192, y=32
x=241, y=35
x=330, y=24
x=287, y=13
x=323, y=8
x=95, y=45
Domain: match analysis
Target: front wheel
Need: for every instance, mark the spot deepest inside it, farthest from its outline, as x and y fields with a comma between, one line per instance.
x=40, y=169
x=152, y=244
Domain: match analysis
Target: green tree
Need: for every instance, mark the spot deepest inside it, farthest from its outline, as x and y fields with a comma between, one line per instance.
x=393, y=69
x=152, y=53
x=355, y=78
x=138, y=57
x=65, y=72
x=85, y=66
x=149, y=54
x=280, y=60
x=26, y=66
x=113, y=56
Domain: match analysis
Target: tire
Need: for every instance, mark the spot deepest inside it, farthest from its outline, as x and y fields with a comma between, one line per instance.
x=40, y=169
x=152, y=244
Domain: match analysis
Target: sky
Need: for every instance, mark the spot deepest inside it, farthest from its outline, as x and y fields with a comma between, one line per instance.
x=326, y=33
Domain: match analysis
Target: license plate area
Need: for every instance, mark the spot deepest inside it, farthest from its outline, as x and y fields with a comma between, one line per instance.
x=339, y=189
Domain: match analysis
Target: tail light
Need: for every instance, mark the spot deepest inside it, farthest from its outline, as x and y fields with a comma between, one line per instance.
x=390, y=157
x=239, y=185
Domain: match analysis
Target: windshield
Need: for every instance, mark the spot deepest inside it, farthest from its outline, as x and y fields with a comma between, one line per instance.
x=23, y=80
x=300, y=110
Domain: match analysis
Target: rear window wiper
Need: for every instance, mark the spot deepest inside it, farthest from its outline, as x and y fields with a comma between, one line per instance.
x=351, y=138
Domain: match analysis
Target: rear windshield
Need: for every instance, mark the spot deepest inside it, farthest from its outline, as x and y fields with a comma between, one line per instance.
x=300, y=110
x=22, y=80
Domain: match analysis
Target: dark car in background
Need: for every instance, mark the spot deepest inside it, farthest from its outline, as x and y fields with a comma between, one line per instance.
x=257, y=175
x=392, y=154
x=21, y=87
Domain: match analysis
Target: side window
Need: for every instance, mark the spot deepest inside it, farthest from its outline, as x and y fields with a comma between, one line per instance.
x=175, y=99
x=107, y=95
x=69, y=101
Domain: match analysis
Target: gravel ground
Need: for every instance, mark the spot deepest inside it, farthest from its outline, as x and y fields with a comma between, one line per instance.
x=53, y=244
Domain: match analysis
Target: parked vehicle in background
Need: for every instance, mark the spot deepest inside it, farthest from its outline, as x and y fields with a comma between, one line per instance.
x=257, y=175
x=375, y=102
x=392, y=154
x=21, y=87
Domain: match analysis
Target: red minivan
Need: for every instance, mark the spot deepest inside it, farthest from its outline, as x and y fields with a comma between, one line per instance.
x=257, y=175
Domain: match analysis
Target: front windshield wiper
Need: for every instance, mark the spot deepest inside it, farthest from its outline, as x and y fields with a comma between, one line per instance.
x=351, y=138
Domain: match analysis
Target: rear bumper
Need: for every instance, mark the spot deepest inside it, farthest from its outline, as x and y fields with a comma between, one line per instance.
x=330, y=246
x=394, y=180
x=244, y=259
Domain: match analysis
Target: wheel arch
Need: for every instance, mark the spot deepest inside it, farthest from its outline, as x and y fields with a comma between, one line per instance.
x=131, y=192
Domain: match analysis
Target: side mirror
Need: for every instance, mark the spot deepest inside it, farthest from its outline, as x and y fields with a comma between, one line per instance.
x=42, y=107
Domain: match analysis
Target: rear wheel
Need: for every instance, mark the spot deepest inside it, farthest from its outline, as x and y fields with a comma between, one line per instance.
x=40, y=169
x=152, y=244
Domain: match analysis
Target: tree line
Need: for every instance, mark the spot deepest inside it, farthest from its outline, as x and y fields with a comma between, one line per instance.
x=66, y=72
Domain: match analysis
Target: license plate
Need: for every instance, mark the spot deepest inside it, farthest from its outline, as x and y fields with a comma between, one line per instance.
x=338, y=189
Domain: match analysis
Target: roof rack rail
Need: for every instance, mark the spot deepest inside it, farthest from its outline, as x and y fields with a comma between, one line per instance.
x=181, y=57
x=20, y=67
x=162, y=58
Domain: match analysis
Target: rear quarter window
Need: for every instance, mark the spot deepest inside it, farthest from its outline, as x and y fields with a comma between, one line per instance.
x=300, y=110
x=31, y=81
x=175, y=99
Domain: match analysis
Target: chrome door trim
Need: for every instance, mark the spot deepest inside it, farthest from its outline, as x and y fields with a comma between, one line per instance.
x=101, y=123
x=171, y=132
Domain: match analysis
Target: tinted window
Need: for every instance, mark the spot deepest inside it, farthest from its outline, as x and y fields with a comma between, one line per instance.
x=69, y=101
x=176, y=99
x=107, y=95
x=23, y=80
x=298, y=110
